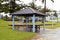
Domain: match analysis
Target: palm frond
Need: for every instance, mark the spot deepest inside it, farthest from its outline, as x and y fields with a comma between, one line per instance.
x=52, y=1
x=43, y=1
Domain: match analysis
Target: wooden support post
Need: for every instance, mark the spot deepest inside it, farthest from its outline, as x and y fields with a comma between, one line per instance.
x=22, y=19
x=33, y=23
x=26, y=20
x=13, y=22
x=27, y=23
x=43, y=23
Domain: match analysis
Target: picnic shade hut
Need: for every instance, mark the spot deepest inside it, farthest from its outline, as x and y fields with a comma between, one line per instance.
x=28, y=12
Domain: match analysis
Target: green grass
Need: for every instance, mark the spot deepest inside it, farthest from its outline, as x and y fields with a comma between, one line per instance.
x=48, y=24
x=6, y=33
x=3, y=23
x=55, y=18
x=55, y=25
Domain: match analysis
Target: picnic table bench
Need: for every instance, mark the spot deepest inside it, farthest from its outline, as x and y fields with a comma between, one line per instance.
x=37, y=27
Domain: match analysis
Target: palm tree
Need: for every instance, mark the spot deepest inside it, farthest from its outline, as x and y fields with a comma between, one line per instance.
x=44, y=1
x=32, y=5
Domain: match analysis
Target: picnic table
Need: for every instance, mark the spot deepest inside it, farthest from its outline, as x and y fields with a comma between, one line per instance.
x=28, y=27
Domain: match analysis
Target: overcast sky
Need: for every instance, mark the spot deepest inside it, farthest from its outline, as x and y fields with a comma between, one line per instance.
x=55, y=5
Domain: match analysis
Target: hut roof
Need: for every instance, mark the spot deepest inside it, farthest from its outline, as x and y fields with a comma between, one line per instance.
x=28, y=12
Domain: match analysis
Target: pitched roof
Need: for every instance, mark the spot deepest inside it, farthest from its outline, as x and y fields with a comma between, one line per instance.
x=28, y=11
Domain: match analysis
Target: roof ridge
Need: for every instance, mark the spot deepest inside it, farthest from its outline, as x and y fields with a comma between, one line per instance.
x=31, y=9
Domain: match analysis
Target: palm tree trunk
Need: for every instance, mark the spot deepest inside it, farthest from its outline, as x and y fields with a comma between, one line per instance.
x=44, y=17
x=45, y=6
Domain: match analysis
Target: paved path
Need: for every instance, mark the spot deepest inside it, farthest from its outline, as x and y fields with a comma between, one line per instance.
x=49, y=34
x=52, y=35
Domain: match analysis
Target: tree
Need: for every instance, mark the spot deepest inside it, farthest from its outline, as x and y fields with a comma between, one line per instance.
x=44, y=1
x=55, y=14
x=5, y=8
x=15, y=7
x=11, y=6
x=47, y=10
x=1, y=5
x=32, y=5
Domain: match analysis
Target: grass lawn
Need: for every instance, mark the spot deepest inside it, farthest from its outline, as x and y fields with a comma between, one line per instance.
x=6, y=33
x=49, y=24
